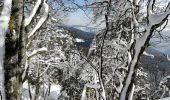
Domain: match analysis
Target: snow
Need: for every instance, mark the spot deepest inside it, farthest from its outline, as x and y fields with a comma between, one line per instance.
x=41, y=21
x=164, y=80
x=30, y=55
x=168, y=58
x=4, y=19
x=79, y=40
x=121, y=79
x=168, y=98
x=129, y=57
x=139, y=43
x=132, y=92
x=43, y=49
x=54, y=92
x=83, y=96
x=28, y=20
x=55, y=89
x=44, y=71
x=157, y=17
x=54, y=19
x=148, y=54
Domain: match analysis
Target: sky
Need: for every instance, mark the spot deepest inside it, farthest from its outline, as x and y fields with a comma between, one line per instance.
x=164, y=46
x=80, y=17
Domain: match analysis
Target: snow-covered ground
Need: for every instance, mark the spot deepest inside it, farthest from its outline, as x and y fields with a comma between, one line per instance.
x=54, y=92
x=168, y=98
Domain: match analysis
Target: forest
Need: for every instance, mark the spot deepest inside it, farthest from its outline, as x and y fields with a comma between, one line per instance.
x=118, y=55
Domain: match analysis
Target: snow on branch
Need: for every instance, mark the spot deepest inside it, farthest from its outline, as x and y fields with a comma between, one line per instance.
x=168, y=58
x=164, y=80
x=42, y=19
x=29, y=19
x=83, y=95
x=150, y=7
x=54, y=19
x=148, y=54
x=168, y=8
x=132, y=93
x=35, y=52
x=157, y=18
x=48, y=66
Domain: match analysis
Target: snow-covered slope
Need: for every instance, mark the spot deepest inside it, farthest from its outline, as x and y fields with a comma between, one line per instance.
x=53, y=94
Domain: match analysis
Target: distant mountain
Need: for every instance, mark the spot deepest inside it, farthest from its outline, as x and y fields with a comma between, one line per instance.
x=167, y=50
x=88, y=29
x=153, y=51
x=76, y=33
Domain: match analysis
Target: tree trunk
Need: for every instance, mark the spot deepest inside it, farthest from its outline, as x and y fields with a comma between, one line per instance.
x=14, y=55
x=37, y=90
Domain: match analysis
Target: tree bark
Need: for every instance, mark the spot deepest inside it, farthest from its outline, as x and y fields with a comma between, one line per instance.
x=15, y=52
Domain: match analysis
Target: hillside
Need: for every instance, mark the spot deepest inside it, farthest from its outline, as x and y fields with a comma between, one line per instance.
x=160, y=61
x=156, y=67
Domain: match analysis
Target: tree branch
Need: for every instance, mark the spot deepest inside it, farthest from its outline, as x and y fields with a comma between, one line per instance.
x=41, y=21
x=28, y=20
x=35, y=52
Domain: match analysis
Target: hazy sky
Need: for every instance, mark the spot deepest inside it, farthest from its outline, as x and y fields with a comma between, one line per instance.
x=78, y=18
